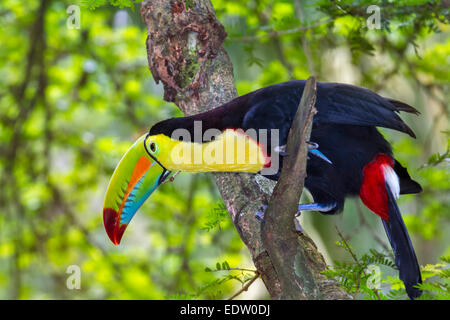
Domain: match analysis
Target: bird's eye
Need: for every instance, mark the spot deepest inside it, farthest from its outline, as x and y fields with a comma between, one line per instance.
x=152, y=147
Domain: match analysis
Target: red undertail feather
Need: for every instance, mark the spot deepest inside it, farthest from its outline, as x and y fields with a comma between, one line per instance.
x=376, y=174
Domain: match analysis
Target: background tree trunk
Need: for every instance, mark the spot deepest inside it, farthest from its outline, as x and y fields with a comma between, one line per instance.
x=185, y=53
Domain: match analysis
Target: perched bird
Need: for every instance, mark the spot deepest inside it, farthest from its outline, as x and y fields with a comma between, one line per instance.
x=249, y=133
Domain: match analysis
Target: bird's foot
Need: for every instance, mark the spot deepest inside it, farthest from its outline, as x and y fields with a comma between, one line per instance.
x=297, y=226
x=312, y=145
x=281, y=150
x=313, y=148
x=260, y=213
x=260, y=216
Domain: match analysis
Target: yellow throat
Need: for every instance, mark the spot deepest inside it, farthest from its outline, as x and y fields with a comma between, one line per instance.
x=231, y=151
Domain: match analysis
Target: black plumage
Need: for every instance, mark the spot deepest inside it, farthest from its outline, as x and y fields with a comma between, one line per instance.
x=405, y=257
x=345, y=130
x=344, y=127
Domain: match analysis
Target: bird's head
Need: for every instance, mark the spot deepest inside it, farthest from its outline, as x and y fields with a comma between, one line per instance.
x=138, y=174
x=154, y=156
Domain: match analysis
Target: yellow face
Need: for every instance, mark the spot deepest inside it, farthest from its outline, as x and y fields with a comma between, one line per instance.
x=138, y=174
x=231, y=151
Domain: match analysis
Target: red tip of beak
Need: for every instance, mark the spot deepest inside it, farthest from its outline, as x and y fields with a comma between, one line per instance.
x=113, y=227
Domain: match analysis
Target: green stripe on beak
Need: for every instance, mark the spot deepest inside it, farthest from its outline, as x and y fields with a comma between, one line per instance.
x=136, y=176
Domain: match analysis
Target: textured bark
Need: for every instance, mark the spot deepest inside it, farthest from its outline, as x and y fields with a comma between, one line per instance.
x=294, y=257
x=185, y=53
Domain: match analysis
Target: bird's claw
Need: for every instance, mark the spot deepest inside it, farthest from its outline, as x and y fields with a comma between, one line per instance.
x=260, y=216
x=281, y=150
x=322, y=207
x=297, y=226
x=312, y=145
x=260, y=213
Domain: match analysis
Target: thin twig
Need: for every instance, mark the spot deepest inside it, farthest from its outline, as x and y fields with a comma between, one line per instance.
x=171, y=178
x=236, y=269
x=274, y=34
x=349, y=250
x=246, y=286
x=347, y=246
x=364, y=223
x=304, y=41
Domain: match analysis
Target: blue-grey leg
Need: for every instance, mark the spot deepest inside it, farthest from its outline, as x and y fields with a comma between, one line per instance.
x=313, y=148
x=323, y=207
x=319, y=154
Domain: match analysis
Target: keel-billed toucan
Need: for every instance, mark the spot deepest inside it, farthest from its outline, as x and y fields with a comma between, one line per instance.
x=248, y=134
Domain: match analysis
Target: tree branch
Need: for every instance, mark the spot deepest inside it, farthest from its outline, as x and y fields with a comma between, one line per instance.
x=185, y=53
x=277, y=34
x=246, y=286
x=278, y=234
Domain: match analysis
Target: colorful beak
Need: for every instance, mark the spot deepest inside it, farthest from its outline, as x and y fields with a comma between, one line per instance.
x=135, y=178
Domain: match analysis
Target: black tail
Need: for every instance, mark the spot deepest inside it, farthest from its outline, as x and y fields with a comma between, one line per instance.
x=401, y=106
x=405, y=257
x=407, y=185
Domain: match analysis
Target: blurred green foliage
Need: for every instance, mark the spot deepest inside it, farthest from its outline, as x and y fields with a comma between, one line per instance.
x=73, y=100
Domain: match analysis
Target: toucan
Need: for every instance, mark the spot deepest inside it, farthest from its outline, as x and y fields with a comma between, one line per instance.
x=249, y=134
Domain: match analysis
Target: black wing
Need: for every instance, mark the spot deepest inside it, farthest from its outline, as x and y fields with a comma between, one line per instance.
x=275, y=107
x=348, y=104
